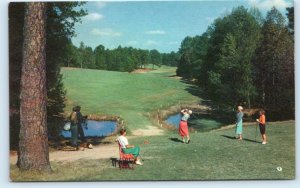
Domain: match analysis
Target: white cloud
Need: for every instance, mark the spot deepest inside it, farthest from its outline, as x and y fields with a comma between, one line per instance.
x=151, y=43
x=94, y=16
x=155, y=32
x=132, y=43
x=210, y=19
x=225, y=11
x=100, y=4
x=268, y=4
x=105, y=32
x=174, y=43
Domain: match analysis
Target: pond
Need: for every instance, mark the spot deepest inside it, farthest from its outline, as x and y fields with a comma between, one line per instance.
x=199, y=122
x=95, y=129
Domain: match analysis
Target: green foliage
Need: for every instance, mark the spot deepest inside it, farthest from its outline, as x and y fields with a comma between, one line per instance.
x=185, y=51
x=16, y=22
x=99, y=54
x=124, y=59
x=72, y=58
x=233, y=41
x=86, y=57
x=61, y=17
x=144, y=58
x=170, y=59
x=275, y=65
x=155, y=58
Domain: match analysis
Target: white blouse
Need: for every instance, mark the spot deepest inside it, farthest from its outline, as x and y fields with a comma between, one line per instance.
x=122, y=141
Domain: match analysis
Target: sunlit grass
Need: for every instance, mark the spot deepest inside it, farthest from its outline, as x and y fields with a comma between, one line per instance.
x=128, y=95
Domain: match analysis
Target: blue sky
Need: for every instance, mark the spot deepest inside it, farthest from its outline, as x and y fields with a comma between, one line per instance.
x=156, y=25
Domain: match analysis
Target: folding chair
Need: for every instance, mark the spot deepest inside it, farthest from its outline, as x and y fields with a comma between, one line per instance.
x=126, y=160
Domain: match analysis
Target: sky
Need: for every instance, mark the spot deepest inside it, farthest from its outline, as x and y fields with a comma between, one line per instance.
x=156, y=25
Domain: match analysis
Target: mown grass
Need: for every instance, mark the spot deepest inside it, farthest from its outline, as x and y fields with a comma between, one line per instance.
x=210, y=156
x=129, y=95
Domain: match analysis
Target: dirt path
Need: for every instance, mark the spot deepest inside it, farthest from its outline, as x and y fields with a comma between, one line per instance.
x=102, y=151
x=105, y=151
x=150, y=131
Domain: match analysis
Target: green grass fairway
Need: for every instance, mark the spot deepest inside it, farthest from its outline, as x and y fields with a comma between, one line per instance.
x=210, y=156
x=129, y=95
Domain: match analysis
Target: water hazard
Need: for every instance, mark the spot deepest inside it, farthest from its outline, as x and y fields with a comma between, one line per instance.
x=96, y=129
x=199, y=122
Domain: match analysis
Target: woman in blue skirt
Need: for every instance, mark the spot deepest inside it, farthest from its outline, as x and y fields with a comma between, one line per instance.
x=239, y=123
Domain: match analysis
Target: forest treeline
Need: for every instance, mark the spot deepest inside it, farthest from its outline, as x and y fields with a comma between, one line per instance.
x=125, y=59
x=245, y=59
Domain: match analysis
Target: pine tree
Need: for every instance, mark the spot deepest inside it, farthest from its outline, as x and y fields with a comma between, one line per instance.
x=33, y=145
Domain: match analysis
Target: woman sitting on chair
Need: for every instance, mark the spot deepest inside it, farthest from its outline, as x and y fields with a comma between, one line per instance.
x=129, y=149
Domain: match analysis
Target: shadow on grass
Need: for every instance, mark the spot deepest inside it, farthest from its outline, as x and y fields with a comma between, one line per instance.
x=175, y=139
x=249, y=140
x=245, y=139
x=230, y=137
x=114, y=161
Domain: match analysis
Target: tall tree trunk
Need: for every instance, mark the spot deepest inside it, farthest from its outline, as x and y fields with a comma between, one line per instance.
x=33, y=145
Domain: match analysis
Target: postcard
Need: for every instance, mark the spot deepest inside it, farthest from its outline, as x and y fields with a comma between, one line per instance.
x=151, y=91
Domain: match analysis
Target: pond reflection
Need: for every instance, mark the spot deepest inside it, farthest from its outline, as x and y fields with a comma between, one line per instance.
x=95, y=129
x=199, y=122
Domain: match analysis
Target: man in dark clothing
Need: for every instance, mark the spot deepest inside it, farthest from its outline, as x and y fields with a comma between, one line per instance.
x=81, y=121
x=74, y=128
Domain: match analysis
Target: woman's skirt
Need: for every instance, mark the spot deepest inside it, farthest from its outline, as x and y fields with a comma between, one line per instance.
x=134, y=151
x=262, y=128
x=183, y=128
x=239, y=128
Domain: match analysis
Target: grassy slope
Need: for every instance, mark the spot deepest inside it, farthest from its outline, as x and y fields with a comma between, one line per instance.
x=210, y=156
x=131, y=96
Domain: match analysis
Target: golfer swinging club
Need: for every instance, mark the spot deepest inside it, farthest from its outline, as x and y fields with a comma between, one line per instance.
x=183, y=125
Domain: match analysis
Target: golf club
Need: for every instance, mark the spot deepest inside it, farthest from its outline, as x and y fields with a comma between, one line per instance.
x=193, y=115
x=141, y=157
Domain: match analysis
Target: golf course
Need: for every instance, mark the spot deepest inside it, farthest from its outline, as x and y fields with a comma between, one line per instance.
x=136, y=98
